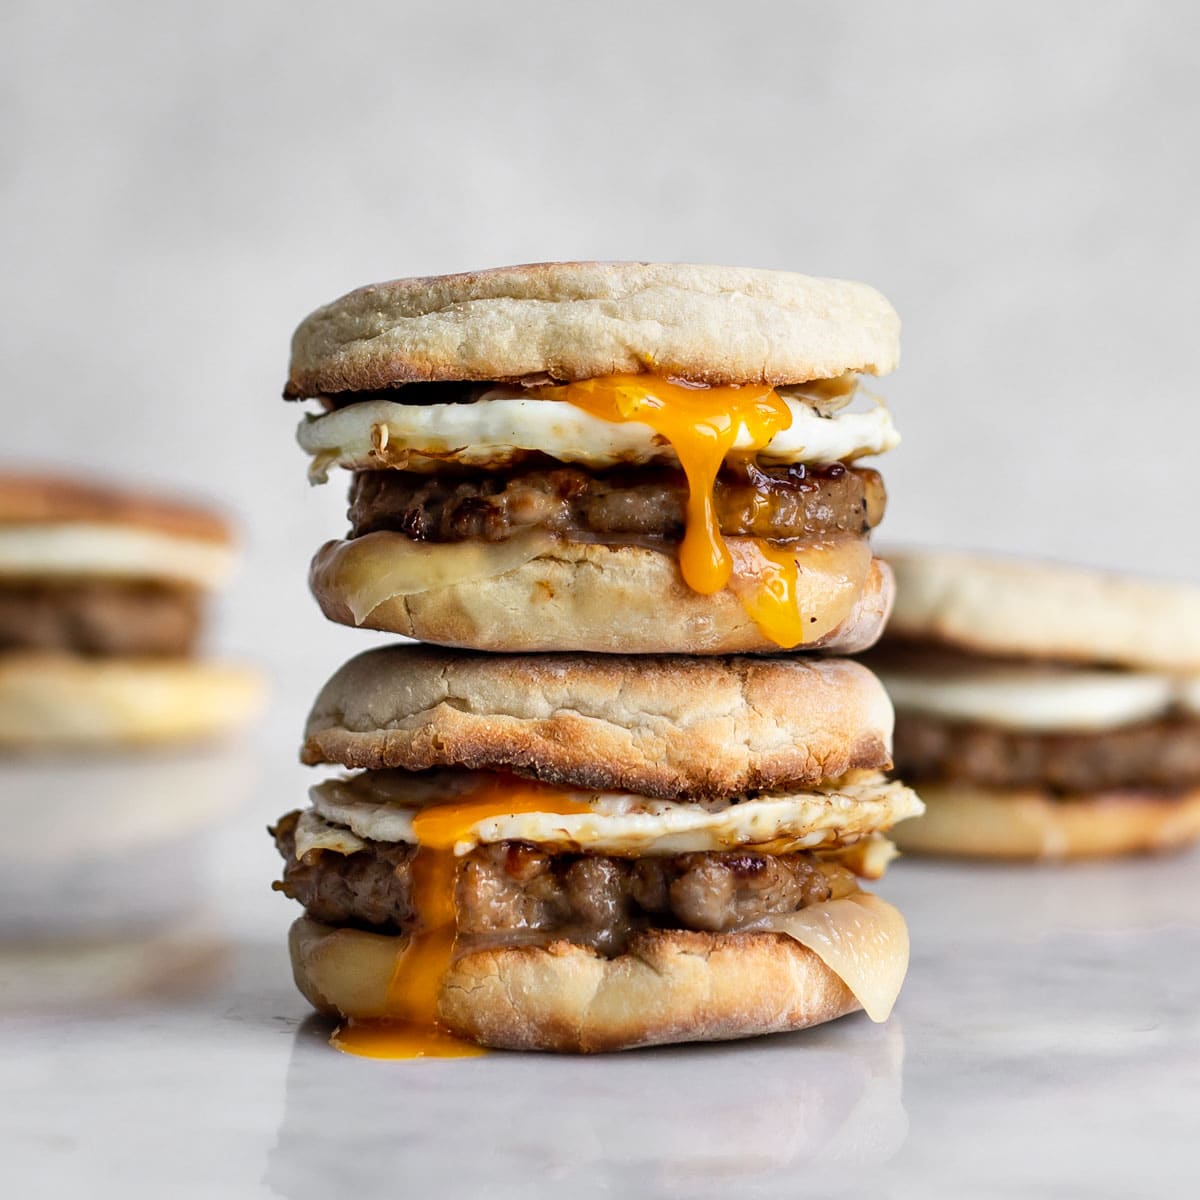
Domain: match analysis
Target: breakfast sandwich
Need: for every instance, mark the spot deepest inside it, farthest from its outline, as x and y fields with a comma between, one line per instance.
x=101, y=607
x=620, y=457
x=642, y=833
x=1043, y=710
x=583, y=852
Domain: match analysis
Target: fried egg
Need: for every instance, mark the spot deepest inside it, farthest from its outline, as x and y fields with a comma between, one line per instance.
x=505, y=425
x=381, y=806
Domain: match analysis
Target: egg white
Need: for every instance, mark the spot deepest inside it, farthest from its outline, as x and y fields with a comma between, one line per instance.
x=99, y=550
x=504, y=425
x=1041, y=699
x=347, y=811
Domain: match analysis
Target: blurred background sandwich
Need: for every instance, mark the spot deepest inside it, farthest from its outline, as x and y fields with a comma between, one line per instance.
x=121, y=746
x=1043, y=711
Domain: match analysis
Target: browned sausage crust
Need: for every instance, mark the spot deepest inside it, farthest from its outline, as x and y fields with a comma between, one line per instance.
x=782, y=503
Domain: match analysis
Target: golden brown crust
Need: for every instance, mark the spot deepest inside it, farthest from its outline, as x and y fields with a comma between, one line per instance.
x=972, y=822
x=610, y=599
x=1026, y=609
x=48, y=499
x=669, y=986
x=715, y=325
x=658, y=726
x=50, y=701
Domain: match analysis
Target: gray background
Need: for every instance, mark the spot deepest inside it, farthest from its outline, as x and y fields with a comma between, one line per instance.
x=180, y=184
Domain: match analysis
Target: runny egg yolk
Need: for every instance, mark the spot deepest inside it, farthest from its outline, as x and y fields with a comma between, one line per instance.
x=411, y=1028
x=702, y=424
x=771, y=603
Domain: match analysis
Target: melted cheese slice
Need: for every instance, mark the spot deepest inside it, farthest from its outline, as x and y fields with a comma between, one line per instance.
x=862, y=939
x=1040, y=698
x=796, y=594
x=98, y=550
x=381, y=806
x=368, y=570
x=495, y=431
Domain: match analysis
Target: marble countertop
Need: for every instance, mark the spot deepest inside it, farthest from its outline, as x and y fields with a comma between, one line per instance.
x=1047, y=1043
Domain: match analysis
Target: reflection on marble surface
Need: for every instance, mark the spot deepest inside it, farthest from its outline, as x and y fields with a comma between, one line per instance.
x=106, y=974
x=979, y=899
x=758, y=1115
x=87, y=805
x=1047, y=1044
x=105, y=872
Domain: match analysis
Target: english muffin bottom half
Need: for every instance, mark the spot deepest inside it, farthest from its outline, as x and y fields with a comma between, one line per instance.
x=615, y=457
x=579, y=853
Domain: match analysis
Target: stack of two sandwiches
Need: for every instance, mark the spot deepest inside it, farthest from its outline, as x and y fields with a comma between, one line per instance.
x=627, y=794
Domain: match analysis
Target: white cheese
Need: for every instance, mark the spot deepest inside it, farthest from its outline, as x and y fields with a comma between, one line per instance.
x=378, y=566
x=863, y=940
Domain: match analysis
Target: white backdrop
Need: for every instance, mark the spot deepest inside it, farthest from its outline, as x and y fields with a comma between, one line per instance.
x=181, y=183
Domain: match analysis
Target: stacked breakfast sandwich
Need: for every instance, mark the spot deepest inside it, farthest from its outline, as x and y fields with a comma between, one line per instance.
x=625, y=793
x=1045, y=711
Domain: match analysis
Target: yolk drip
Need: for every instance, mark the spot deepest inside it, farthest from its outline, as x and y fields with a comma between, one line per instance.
x=702, y=424
x=411, y=1028
x=772, y=603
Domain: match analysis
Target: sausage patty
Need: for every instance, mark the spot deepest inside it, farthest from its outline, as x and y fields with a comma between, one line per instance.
x=99, y=618
x=782, y=503
x=1162, y=754
x=598, y=900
